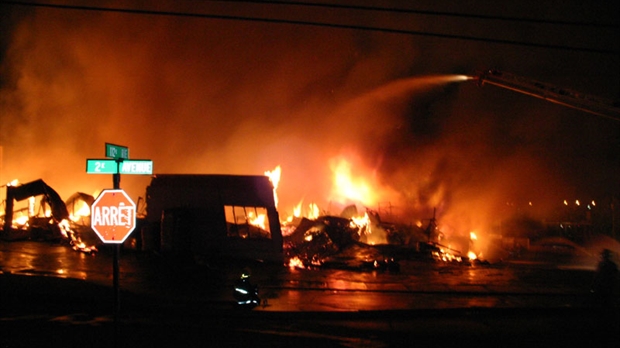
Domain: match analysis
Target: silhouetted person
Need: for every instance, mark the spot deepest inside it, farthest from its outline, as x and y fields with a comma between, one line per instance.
x=245, y=292
x=605, y=281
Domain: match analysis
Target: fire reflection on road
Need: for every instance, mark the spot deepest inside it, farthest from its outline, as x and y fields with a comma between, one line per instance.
x=417, y=284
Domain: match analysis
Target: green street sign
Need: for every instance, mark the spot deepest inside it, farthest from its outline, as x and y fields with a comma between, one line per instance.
x=109, y=166
x=116, y=151
x=140, y=167
x=101, y=166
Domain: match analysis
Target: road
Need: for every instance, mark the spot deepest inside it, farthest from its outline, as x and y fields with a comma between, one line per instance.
x=55, y=296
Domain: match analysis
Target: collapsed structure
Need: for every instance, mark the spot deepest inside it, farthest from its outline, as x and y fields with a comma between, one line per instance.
x=56, y=222
x=38, y=187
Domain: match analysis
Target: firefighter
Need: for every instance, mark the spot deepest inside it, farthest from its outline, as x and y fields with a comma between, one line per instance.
x=605, y=280
x=244, y=292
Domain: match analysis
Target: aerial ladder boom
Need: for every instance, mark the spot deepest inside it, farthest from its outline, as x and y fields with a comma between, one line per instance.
x=576, y=100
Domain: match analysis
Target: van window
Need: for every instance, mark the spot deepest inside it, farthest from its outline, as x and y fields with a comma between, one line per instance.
x=247, y=222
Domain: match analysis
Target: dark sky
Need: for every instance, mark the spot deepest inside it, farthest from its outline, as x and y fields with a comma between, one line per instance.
x=238, y=95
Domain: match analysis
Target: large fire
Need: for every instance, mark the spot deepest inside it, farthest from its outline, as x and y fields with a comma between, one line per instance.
x=36, y=219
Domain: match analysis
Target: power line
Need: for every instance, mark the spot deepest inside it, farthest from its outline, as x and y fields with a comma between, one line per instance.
x=310, y=23
x=423, y=12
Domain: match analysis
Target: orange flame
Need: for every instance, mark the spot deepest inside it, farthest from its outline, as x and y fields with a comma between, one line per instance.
x=295, y=262
x=347, y=187
x=258, y=221
x=274, y=177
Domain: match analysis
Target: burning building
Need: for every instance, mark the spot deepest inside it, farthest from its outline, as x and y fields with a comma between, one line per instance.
x=213, y=216
x=53, y=221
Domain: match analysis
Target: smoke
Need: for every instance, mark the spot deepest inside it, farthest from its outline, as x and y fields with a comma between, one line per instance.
x=199, y=95
x=193, y=95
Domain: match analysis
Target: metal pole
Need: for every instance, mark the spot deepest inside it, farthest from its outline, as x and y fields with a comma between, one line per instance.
x=116, y=178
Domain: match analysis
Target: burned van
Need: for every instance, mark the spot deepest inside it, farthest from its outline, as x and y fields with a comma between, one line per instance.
x=214, y=216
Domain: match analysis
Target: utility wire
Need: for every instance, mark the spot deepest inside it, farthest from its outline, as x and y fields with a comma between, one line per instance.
x=309, y=23
x=423, y=12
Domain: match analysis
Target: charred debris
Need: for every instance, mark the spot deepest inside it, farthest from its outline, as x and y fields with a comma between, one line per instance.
x=337, y=242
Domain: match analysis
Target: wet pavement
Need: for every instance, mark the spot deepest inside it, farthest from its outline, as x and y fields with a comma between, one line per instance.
x=48, y=288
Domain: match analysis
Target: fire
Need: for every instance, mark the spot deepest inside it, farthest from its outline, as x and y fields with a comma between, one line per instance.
x=274, y=177
x=312, y=212
x=257, y=220
x=20, y=220
x=297, y=210
x=74, y=240
x=473, y=238
x=295, y=262
x=83, y=211
x=31, y=202
x=347, y=187
x=362, y=223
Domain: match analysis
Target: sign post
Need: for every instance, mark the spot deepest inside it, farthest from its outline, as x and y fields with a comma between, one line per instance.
x=113, y=213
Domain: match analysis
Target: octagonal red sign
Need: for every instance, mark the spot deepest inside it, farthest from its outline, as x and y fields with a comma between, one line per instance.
x=113, y=216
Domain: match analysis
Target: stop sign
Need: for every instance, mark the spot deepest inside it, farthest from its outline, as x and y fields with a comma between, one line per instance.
x=113, y=216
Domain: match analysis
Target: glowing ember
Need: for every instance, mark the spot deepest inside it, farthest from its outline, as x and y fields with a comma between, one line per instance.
x=472, y=255
x=295, y=262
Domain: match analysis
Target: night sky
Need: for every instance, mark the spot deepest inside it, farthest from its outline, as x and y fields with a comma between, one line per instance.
x=239, y=87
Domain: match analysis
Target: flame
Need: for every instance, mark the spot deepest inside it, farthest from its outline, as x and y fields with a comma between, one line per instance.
x=471, y=254
x=347, y=187
x=20, y=220
x=31, y=202
x=362, y=223
x=257, y=220
x=83, y=211
x=313, y=212
x=295, y=262
x=274, y=177
x=297, y=210
x=75, y=241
